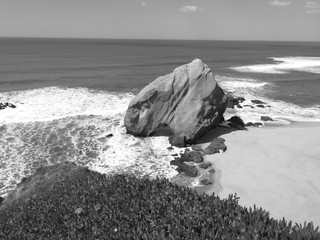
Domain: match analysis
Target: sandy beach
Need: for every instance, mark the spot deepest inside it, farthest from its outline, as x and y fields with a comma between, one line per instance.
x=276, y=168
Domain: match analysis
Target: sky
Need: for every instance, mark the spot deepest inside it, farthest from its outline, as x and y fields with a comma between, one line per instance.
x=277, y=20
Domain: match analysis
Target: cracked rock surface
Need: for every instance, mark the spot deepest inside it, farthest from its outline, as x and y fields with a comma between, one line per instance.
x=185, y=103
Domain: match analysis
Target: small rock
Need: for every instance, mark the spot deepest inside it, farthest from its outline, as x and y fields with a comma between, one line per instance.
x=205, y=165
x=192, y=156
x=236, y=122
x=196, y=147
x=206, y=182
x=175, y=155
x=1, y=200
x=249, y=124
x=6, y=104
x=170, y=148
x=248, y=106
x=260, y=106
x=110, y=135
x=190, y=171
x=257, y=102
x=239, y=106
x=176, y=162
x=266, y=118
x=177, y=141
x=257, y=124
x=240, y=99
x=215, y=146
x=79, y=211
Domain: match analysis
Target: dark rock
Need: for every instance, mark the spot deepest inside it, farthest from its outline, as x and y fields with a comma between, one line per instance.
x=249, y=124
x=192, y=156
x=6, y=104
x=175, y=155
x=1, y=200
x=11, y=105
x=185, y=103
x=240, y=99
x=196, y=147
x=232, y=101
x=215, y=146
x=176, y=162
x=110, y=135
x=266, y=118
x=205, y=165
x=248, y=106
x=177, y=141
x=206, y=182
x=257, y=102
x=236, y=122
x=257, y=124
x=260, y=106
x=170, y=148
x=190, y=171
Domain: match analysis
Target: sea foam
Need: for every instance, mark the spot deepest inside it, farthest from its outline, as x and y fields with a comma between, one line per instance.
x=284, y=65
x=52, y=125
x=252, y=89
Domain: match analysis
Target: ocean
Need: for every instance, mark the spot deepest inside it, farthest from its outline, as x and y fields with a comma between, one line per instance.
x=70, y=94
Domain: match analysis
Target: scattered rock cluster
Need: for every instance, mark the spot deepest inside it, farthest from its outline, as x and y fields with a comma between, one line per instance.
x=6, y=104
x=234, y=101
x=237, y=122
x=195, y=159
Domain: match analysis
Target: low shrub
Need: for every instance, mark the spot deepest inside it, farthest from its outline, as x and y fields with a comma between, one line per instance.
x=83, y=204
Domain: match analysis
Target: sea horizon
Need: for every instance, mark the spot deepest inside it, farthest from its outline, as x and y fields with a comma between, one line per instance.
x=155, y=39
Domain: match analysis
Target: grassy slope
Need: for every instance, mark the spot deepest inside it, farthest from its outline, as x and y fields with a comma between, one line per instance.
x=69, y=202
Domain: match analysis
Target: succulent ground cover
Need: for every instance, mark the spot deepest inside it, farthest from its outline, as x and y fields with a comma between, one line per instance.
x=70, y=202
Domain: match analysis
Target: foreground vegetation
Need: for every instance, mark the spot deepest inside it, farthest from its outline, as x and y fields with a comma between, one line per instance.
x=69, y=202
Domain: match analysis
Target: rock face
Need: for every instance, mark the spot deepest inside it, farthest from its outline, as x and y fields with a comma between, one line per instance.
x=185, y=103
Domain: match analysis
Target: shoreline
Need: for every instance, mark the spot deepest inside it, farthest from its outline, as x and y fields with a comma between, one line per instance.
x=273, y=167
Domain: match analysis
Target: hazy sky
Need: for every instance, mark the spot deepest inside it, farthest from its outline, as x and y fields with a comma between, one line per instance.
x=163, y=19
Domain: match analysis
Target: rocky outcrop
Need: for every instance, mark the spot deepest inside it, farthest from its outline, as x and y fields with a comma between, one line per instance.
x=185, y=103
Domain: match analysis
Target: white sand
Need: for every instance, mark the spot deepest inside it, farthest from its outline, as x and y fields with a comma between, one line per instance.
x=276, y=168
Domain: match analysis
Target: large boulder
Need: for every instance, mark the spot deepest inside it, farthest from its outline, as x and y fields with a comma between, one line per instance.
x=185, y=103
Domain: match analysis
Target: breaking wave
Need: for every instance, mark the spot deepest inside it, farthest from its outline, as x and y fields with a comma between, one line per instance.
x=284, y=65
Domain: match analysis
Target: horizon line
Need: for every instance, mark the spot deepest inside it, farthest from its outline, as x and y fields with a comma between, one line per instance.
x=155, y=39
